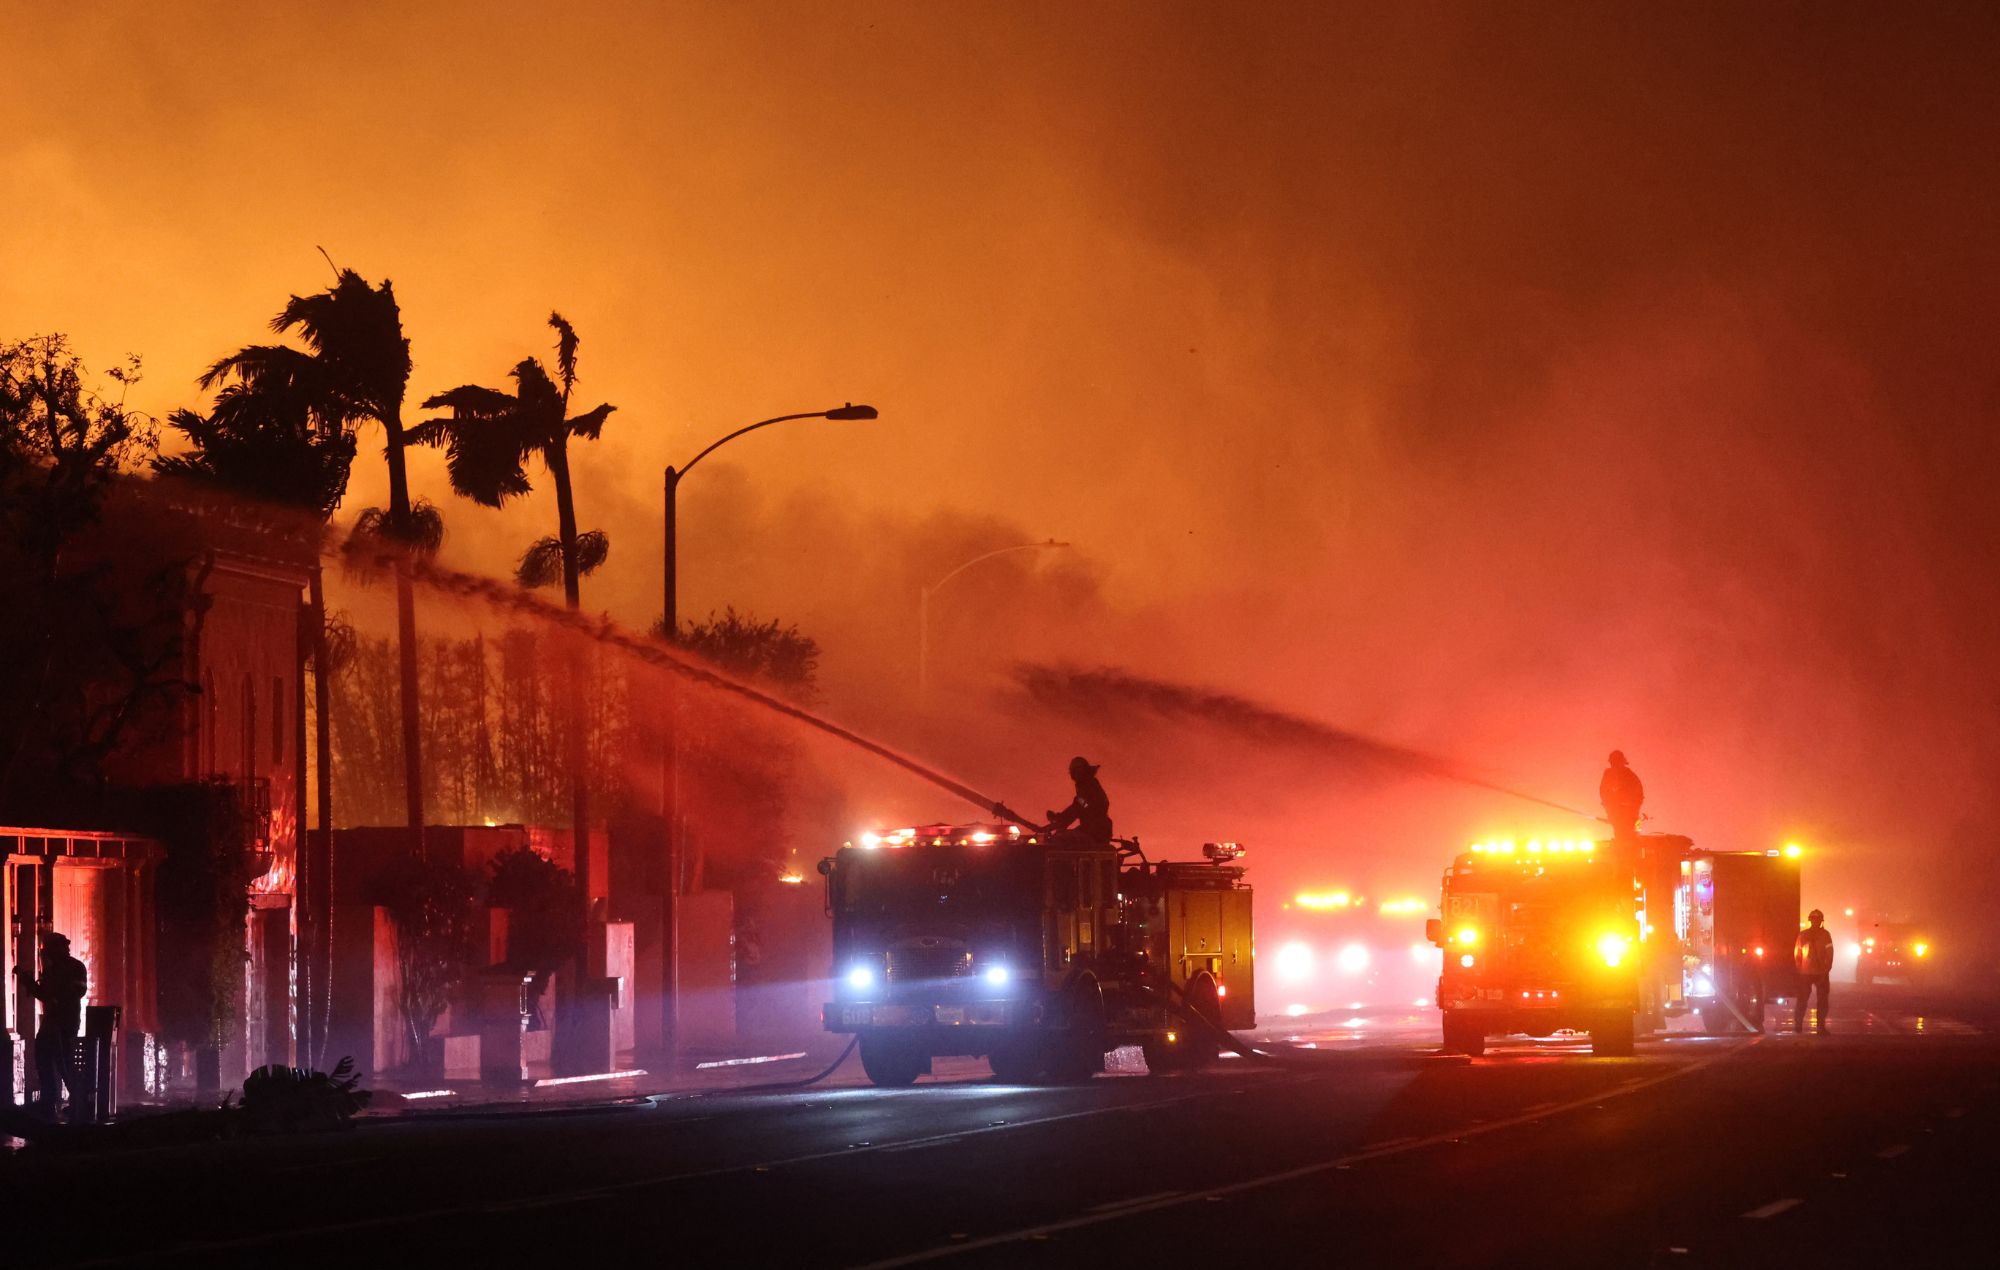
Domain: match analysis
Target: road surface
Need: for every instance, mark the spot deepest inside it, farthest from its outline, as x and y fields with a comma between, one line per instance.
x=1872, y=1146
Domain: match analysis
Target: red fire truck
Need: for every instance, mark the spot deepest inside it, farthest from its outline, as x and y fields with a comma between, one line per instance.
x=1037, y=951
x=1610, y=938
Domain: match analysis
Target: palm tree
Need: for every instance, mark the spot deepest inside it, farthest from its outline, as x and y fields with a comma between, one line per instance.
x=271, y=445
x=489, y=436
x=354, y=369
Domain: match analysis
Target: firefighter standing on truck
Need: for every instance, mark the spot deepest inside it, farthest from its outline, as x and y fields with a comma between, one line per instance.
x=1812, y=954
x=1621, y=793
x=1090, y=810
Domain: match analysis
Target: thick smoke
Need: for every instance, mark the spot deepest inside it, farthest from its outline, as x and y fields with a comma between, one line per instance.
x=1510, y=385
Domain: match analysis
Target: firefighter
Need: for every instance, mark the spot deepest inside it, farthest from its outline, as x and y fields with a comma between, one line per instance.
x=1812, y=954
x=1621, y=793
x=61, y=989
x=1089, y=811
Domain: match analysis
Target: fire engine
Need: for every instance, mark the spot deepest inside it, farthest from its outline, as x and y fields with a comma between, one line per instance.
x=1611, y=938
x=1040, y=952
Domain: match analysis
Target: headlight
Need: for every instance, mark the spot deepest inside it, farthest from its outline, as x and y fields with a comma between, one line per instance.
x=1352, y=959
x=1294, y=961
x=1921, y=950
x=996, y=976
x=1468, y=935
x=1613, y=947
x=861, y=978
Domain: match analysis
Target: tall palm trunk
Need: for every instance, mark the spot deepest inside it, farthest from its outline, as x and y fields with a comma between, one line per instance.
x=406, y=635
x=558, y=461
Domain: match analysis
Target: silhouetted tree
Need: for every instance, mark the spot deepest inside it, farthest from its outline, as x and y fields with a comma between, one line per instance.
x=744, y=770
x=489, y=437
x=354, y=369
x=776, y=655
x=93, y=639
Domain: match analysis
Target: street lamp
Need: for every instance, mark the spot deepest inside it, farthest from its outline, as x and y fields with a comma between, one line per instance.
x=847, y=412
x=670, y=748
x=924, y=607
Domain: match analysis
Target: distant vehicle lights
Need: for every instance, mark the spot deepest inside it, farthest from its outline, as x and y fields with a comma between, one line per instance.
x=1294, y=961
x=1323, y=899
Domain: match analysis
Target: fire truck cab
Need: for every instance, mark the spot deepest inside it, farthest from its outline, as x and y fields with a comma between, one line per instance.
x=1538, y=937
x=1039, y=952
x=1611, y=938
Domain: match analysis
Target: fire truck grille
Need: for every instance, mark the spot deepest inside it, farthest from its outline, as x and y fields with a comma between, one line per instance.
x=932, y=961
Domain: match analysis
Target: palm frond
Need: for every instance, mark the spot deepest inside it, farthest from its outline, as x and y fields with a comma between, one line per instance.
x=423, y=537
x=566, y=343
x=592, y=547
x=486, y=447
x=472, y=400
x=541, y=564
x=591, y=422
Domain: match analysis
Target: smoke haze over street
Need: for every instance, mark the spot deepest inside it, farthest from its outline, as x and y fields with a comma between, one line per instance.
x=1504, y=386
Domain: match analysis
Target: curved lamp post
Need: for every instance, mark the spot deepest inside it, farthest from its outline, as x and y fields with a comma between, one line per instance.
x=670, y=747
x=850, y=411
x=924, y=606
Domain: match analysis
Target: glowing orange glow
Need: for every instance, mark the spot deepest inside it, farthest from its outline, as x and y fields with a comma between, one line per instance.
x=1793, y=851
x=1466, y=935
x=1921, y=950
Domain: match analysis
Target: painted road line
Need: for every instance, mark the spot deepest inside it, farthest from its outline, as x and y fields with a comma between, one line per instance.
x=1890, y=1153
x=1132, y=1201
x=1772, y=1209
x=1043, y=1232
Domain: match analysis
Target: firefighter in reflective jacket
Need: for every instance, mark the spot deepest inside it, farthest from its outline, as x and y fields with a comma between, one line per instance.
x=1621, y=793
x=1812, y=954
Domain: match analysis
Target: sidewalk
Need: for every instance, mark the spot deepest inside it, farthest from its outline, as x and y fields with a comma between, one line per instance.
x=701, y=1072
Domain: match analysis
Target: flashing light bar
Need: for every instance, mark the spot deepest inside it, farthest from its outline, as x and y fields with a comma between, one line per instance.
x=1535, y=847
x=1398, y=907
x=936, y=836
x=430, y=1093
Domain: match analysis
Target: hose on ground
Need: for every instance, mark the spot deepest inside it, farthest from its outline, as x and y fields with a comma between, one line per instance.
x=804, y=1081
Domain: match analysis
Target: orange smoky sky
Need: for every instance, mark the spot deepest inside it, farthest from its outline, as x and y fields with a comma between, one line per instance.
x=1509, y=381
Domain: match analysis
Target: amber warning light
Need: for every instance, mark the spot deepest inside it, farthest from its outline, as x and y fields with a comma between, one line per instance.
x=1220, y=851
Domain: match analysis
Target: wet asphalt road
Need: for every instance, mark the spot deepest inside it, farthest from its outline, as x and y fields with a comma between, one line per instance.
x=1873, y=1146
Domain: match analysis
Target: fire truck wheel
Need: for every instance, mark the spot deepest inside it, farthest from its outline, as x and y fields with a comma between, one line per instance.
x=1198, y=1047
x=1612, y=1036
x=1018, y=1063
x=892, y=1063
x=1077, y=1052
x=1464, y=1036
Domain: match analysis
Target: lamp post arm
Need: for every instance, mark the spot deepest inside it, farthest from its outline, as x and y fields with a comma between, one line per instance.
x=1001, y=551
x=761, y=423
